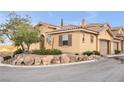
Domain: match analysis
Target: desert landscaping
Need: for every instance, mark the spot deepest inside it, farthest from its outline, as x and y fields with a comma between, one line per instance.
x=36, y=60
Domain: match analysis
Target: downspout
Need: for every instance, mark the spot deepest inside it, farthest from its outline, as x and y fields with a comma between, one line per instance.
x=96, y=42
x=53, y=43
x=121, y=46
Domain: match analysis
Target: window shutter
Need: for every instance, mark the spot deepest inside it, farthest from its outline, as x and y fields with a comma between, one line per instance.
x=70, y=40
x=60, y=40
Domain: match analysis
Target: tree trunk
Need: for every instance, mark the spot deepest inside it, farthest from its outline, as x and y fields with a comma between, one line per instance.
x=22, y=47
x=28, y=47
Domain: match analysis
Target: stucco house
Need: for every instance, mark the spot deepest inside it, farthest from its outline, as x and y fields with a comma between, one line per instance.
x=119, y=34
x=80, y=38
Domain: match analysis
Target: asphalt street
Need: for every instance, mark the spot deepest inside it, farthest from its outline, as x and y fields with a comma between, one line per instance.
x=103, y=70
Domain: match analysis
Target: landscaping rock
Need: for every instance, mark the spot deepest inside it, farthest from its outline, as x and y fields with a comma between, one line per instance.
x=73, y=58
x=29, y=60
x=82, y=58
x=20, y=61
x=7, y=61
x=64, y=58
x=47, y=59
x=93, y=57
x=85, y=57
x=56, y=60
x=33, y=59
x=38, y=60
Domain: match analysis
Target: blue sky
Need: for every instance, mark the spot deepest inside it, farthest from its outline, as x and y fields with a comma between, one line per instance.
x=70, y=17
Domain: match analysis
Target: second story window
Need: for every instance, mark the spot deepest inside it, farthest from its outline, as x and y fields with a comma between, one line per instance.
x=92, y=38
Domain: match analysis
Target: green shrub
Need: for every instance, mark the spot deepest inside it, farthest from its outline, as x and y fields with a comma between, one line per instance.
x=18, y=51
x=88, y=53
x=96, y=52
x=39, y=52
x=54, y=51
x=47, y=52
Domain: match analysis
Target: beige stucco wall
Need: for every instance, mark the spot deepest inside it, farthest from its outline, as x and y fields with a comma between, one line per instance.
x=35, y=46
x=87, y=45
x=75, y=48
x=119, y=43
x=77, y=45
x=105, y=35
x=43, y=29
x=122, y=46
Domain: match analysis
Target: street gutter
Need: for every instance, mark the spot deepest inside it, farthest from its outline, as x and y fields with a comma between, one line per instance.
x=53, y=65
x=114, y=55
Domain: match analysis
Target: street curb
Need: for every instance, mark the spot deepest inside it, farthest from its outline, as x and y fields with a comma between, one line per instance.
x=115, y=55
x=54, y=65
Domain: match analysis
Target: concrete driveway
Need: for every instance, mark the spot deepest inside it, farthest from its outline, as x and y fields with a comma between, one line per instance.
x=107, y=69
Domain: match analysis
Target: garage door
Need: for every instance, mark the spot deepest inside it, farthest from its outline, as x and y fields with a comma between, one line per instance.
x=104, y=47
x=115, y=46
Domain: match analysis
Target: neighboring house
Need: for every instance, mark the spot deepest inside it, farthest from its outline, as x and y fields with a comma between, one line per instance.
x=78, y=39
x=119, y=34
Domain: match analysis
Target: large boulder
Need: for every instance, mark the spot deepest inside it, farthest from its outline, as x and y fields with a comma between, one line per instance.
x=38, y=60
x=83, y=58
x=56, y=60
x=7, y=61
x=64, y=58
x=29, y=60
x=94, y=57
x=73, y=58
x=33, y=59
x=47, y=59
x=18, y=59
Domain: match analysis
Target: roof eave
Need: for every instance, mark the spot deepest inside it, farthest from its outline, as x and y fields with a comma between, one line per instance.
x=72, y=30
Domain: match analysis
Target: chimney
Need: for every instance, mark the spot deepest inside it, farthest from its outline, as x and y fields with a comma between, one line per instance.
x=84, y=23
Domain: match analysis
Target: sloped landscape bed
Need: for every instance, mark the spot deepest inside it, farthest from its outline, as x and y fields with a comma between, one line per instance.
x=33, y=59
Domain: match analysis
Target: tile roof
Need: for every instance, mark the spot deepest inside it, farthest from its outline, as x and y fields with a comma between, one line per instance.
x=44, y=23
x=68, y=27
x=97, y=29
x=116, y=28
x=93, y=27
